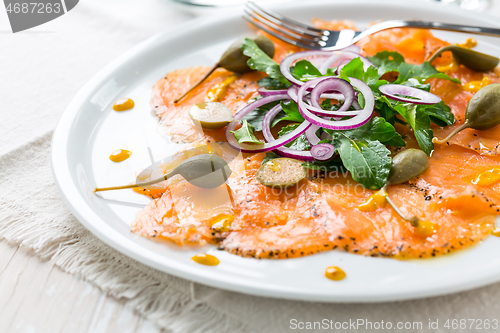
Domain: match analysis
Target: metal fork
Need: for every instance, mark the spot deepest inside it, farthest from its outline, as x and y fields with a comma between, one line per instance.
x=302, y=35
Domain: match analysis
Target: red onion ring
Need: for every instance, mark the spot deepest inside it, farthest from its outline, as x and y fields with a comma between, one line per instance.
x=249, y=148
x=424, y=97
x=360, y=119
x=311, y=135
x=288, y=61
x=341, y=55
x=270, y=92
x=332, y=84
x=323, y=151
x=283, y=151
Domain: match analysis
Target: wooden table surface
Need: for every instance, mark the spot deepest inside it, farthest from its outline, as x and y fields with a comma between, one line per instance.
x=36, y=296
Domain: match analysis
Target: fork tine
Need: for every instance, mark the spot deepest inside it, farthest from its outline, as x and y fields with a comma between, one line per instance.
x=281, y=29
x=314, y=46
x=282, y=18
x=321, y=34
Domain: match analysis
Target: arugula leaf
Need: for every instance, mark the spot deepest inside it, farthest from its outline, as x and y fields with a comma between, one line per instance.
x=387, y=61
x=269, y=156
x=353, y=68
x=300, y=143
x=291, y=109
x=246, y=133
x=421, y=73
x=256, y=117
x=368, y=161
x=420, y=123
x=377, y=129
x=304, y=70
x=270, y=83
x=440, y=113
x=261, y=62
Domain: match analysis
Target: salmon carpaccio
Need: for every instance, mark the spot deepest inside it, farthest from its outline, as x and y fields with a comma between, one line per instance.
x=321, y=213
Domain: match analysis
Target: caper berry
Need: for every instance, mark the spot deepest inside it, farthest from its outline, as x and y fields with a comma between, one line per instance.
x=205, y=171
x=234, y=60
x=474, y=60
x=406, y=165
x=482, y=113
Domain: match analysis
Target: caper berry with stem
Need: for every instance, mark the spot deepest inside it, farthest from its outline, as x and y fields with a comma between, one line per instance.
x=234, y=60
x=201, y=171
x=474, y=60
x=482, y=113
x=406, y=165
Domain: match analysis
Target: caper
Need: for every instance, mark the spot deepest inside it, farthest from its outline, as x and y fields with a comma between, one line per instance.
x=201, y=171
x=211, y=115
x=407, y=165
x=482, y=113
x=234, y=60
x=281, y=173
x=474, y=60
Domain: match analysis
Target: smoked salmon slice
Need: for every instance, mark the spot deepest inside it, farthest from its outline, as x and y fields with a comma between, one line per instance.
x=321, y=213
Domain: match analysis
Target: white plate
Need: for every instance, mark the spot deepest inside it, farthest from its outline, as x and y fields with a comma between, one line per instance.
x=89, y=131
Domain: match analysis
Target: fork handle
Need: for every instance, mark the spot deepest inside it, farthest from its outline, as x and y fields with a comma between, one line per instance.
x=429, y=25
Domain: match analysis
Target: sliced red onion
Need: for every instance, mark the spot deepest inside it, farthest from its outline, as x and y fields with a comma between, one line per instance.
x=424, y=97
x=249, y=148
x=341, y=55
x=283, y=151
x=288, y=62
x=331, y=83
x=311, y=135
x=359, y=119
x=323, y=151
x=270, y=92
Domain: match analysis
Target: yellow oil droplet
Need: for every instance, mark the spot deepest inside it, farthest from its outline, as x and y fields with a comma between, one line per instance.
x=335, y=273
x=120, y=155
x=218, y=91
x=450, y=67
x=206, y=259
x=425, y=229
x=222, y=223
x=474, y=86
x=123, y=104
x=488, y=177
x=276, y=167
x=375, y=201
x=469, y=43
x=496, y=232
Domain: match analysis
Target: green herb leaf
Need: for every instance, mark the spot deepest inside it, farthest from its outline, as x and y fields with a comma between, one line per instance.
x=304, y=71
x=440, y=113
x=377, y=129
x=270, y=83
x=300, y=143
x=393, y=61
x=291, y=109
x=420, y=123
x=368, y=161
x=256, y=117
x=260, y=61
x=246, y=133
